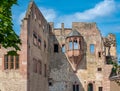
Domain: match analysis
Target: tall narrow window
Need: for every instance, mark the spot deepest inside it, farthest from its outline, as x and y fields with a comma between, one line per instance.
x=100, y=88
x=34, y=38
x=17, y=62
x=45, y=70
x=75, y=44
x=99, y=54
x=90, y=87
x=75, y=87
x=44, y=45
x=92, y=48
x=39, y=42
x=55, y=47
x=11, y=62
x=63, y=48
x=34, y=65
x=6, y=62
x=39, y=67
x=70, y=45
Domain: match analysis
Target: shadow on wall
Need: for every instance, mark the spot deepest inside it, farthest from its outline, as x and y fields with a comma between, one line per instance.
x=67, y=57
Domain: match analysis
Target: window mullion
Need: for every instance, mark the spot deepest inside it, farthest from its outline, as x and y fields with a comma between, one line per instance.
x=14, y=61
x=9, y=62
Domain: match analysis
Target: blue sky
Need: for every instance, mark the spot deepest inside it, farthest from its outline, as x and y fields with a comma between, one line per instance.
x=106, y=13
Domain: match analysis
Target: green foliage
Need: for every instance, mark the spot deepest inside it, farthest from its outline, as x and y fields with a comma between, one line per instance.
x=115, y=70
x=8, y=38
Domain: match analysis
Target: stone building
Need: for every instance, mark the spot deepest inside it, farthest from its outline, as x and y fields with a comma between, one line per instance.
x=57, y=59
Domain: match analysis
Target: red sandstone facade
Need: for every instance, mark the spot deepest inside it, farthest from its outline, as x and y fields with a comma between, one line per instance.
x=58, y=59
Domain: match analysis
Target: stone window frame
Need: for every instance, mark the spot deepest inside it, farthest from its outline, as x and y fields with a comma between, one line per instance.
x=35, y=38
x=56, y=50
x=99, y=69
x=63, y=48
x=45, y=70
x=99, y=54
x=39, y=42
x=39, y=67
x=92, y=44
x=15, y=65
x=76, y=87
x=88, y=82
x=45, y=46
x=34, y=65
x=100, y=88
x=0, y=46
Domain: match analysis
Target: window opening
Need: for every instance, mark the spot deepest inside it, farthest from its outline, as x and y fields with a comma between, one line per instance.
x=99, y=69
x=55, y=47
x=75, y=44
x=99, y=54
x=63, y=48
x=70, y=45
x=75, y=87
x=100, y=88
x=90, y=87
x=34, y=39
x=92, y=48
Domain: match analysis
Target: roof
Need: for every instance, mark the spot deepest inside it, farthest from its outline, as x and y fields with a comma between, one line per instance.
x=74, y=33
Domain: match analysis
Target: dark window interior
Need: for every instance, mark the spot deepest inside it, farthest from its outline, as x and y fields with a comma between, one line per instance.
x=90, y=87
x=99, y=69
x=99, y=54
x=50, y=84
x=55, y=47
x=75, y=87
x=100, y=89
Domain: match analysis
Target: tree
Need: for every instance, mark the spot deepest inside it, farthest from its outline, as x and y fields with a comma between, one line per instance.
x=8, y=37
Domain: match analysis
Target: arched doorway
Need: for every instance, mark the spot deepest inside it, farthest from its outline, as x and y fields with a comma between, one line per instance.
x=90, y=87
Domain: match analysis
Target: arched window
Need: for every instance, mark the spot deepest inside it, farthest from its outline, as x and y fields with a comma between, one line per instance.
x=75, y=44
x=70, y=45
x=90, y=87
x=63, y=48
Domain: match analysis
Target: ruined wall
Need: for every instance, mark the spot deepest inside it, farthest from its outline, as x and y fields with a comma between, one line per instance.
x=11, y=80
x=60, y=68
x=37, y=53
x=114, y=86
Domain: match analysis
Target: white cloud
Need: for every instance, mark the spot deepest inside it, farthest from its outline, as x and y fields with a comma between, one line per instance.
x=49, y=14
x=101, y=9
x=22, y=15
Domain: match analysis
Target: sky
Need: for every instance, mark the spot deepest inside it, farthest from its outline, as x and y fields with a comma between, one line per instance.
x=106, y=13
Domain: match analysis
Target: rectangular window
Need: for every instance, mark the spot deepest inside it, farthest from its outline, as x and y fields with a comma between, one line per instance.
x=99, y=54
x=39, y=67
x=34, y=65
x=39, y=42
x=100, y=88
x=75, y=87
x=17, y=62
x=44, y=45
x=6, y=62
x=70, y=45
x=11, y=62
x=92, y=48
x=0, y=46
x=63, y=48
x=55, y=47
x=99, y=69
x=45, y=70
x=34, y=39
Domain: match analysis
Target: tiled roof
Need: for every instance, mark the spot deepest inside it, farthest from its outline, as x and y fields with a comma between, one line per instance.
x=74, y=33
